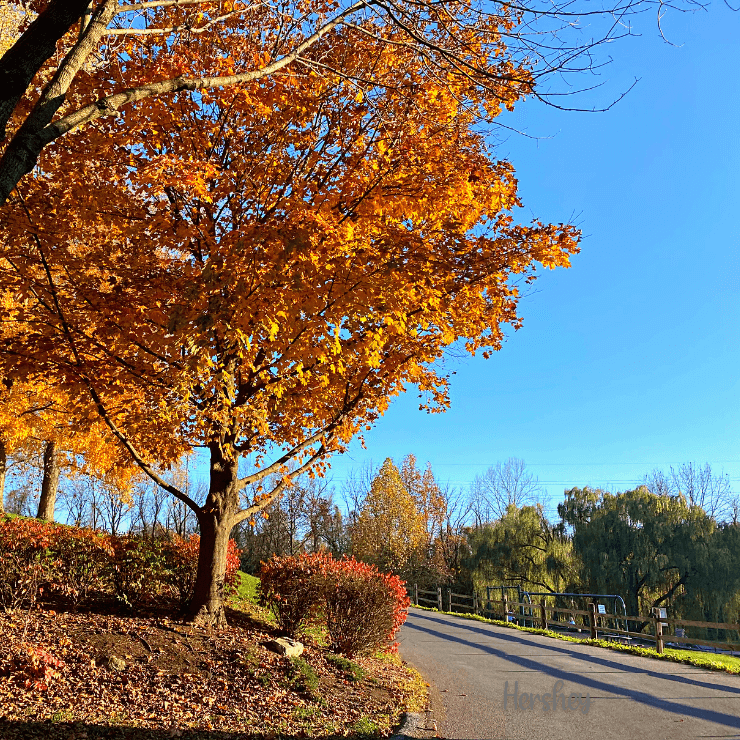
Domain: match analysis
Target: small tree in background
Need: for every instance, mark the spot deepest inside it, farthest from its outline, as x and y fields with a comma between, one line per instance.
x=390, y=531
x=501, y=486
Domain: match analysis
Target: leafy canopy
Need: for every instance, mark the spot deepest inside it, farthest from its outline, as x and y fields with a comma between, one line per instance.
x=263, y=268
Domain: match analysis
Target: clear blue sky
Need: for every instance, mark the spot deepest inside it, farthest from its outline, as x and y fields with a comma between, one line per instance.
x=630, y=360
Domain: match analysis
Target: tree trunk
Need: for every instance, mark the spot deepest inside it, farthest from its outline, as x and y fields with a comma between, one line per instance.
x=216, y=520
x=25, y=58
x=50, y=484
x=3, y=468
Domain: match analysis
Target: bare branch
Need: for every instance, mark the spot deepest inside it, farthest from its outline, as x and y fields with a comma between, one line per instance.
x=280, y=462
x=138, y=459
x=171, y=29
x=263, y=504
x=163, y=4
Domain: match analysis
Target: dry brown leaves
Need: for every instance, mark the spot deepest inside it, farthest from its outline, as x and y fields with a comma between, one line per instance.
x=178, y=681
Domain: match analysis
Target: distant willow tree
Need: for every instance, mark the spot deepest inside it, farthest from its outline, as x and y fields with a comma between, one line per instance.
x=654, y=550
x=521, y=549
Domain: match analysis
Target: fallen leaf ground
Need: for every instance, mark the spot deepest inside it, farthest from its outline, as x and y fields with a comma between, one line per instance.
x=180, y=681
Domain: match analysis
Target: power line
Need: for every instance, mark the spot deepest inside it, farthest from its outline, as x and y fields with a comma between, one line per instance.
x=583, y=464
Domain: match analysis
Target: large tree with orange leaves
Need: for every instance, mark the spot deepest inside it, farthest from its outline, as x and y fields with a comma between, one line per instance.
x=70, y=61
x=258, y=271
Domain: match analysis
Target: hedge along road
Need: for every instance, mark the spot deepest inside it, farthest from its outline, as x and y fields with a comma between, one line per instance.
x=492, y=682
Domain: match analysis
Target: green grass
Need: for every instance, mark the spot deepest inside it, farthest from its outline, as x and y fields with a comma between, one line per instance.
x=317, y=632
x=728, y=663
x=364, y=727
x=303, y=677
x=353, y=671
x=713, y=661
x=246, y=587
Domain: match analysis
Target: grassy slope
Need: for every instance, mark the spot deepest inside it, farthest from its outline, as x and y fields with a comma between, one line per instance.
x=246, y=588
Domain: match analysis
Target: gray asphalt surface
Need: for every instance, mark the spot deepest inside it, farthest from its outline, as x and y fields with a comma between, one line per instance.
x=471, y=666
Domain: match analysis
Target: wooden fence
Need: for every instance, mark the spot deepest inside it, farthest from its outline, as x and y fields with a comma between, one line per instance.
x=604, y=625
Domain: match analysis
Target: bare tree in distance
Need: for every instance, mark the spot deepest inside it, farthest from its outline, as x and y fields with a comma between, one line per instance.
x=355, y=488
x=179, y=518
x=453, y=542
x=700, y=486
x=150, y=505
x=69, y=40
x=323, y=520
x=502, y=485
x=303, y=519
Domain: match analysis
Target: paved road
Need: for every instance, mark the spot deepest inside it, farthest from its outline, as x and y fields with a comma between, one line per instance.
x=472, y=665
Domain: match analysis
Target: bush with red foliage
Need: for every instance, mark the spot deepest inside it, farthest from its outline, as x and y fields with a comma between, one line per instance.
x=138, y=570
x=78, y=562
x=81, y=557
x=291, y=586
x=27, y=562
x=361, y=607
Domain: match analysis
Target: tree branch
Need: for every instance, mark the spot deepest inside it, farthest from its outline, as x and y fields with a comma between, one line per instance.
x=36, y=46
x=280, y=462
x=137, y=458
x=163, y=4
x=37, y=131
x=24, y=149
x=102, y=412
x=256, y=508
x=170, y=29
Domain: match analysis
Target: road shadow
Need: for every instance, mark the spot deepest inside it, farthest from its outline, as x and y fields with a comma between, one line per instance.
x=514, y=636
x=589, y=684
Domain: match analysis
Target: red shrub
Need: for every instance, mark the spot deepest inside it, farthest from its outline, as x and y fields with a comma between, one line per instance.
x=83, y=557
x=138, y=570
x=27, y=562
x=33, y=667
x=363, y=607
x=77, y=562
x=291, y=587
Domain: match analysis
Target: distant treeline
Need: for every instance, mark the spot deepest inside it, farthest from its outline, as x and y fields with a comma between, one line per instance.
x=673, y=541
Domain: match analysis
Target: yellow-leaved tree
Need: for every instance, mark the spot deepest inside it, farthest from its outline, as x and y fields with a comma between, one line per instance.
x=390, y=530
x=431, y=503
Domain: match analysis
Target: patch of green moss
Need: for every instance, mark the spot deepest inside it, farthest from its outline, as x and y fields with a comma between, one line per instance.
x=353, y=671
